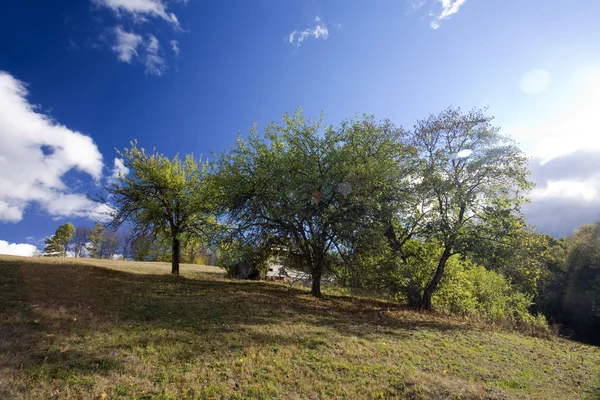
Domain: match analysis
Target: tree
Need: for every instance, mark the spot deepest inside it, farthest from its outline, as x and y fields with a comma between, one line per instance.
x=110, y=243
x=194, y=250
x=469, y=190
x=309, y=189
x=79, y=240
x=58, y=244
x=126, y=239
x=581, y=300
x=95, y=241
x=161, y=197
x=146, y=247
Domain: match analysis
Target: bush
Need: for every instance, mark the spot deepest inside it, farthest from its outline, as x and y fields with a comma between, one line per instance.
x=474, y=292
x=241, y=261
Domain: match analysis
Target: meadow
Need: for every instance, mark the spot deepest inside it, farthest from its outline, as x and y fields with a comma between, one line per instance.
x=83, y=329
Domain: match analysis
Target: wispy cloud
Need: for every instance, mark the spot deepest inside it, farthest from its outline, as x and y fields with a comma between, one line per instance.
x=155, y=64
x=141, y=43
x=449, y=8
x=130, y=46
x=320, y=31
x=140, y=9
x=175, y=47
x=126, y=44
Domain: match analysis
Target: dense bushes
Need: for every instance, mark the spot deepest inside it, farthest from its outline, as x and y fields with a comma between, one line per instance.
x=474, y=292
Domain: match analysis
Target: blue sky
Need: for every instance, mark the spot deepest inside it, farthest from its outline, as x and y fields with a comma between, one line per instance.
x=86, y=76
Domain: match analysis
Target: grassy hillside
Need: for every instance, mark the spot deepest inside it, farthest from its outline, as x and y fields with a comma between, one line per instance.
x=81, y=329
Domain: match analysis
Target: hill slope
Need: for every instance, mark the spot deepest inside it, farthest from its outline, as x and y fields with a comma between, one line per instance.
x=73, y=329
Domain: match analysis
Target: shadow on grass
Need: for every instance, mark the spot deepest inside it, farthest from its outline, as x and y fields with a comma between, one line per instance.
x=39, y=302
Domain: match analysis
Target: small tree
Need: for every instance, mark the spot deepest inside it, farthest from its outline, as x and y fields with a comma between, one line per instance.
x=79, y=240
x=58, y=244
x=95, y=241
x=126, y=239
x=161, y=197
x=110, y=243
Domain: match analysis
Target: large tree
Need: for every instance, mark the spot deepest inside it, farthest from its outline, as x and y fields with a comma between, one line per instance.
x=58, y=244
x=160, y=196
x=469, y=190
x=309, y=189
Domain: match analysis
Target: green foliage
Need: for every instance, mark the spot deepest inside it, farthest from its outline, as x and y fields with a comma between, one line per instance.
x=149, y=248
x=308, y=187
x=471, y=290
x=161, y=196
x=58, y=244
x=103, y=242
x=467, y=190
x=94, y=246
x=242, y=260
x=582, y=292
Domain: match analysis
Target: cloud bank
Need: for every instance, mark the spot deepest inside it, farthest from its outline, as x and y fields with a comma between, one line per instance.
x=35, y=154
x=565, y=163
x=14, y=249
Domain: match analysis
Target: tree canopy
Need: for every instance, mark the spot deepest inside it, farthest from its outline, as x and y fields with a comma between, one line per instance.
x=161, y=196
x=468, y=190
x=307, y=187
x=58, y=244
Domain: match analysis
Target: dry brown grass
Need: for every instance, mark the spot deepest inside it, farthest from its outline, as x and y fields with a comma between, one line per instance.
x=79, y=329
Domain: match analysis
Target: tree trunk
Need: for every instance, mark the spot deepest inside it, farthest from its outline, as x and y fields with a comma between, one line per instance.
x=175, y=254
x=317, y=271
x=428, y=293
x=415, y=300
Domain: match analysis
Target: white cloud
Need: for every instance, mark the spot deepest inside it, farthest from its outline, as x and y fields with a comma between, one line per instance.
x=35, y=154
x=535, y=81
x=449, y=8
x=126, y=44
x=175, y=47
x=127, y=48
x=20, y=249
x=320, y=31
x=155, y=64
x=129, y=45
x=140, y=9
x=586, y=190
x=119, y=169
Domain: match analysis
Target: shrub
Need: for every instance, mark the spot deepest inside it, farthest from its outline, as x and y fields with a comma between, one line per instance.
x=474, y=292
x=241, y=261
